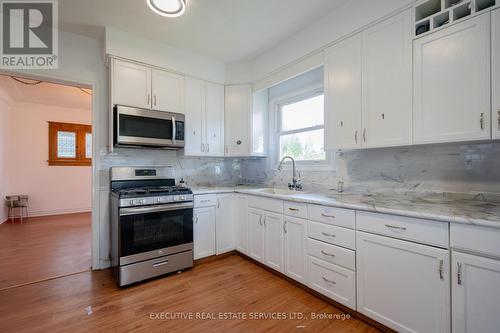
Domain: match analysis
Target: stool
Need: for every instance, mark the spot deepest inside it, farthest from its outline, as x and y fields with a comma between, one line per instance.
x=19, y=202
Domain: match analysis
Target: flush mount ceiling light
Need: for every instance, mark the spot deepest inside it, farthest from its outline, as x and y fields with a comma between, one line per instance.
x=168, y=8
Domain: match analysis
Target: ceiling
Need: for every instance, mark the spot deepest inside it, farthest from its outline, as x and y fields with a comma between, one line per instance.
x=228, y=30
x=45, y=93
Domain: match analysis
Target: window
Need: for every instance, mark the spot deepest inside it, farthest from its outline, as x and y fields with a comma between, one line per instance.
x=70, y=144
x=301, y=127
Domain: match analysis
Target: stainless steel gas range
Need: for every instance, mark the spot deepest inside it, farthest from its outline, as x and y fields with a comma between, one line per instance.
x=151, y=223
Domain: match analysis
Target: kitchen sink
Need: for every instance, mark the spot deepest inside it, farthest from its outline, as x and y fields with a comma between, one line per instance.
x=279, y=191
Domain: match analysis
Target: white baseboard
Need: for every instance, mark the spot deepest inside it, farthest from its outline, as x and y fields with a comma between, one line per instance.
x=37, y=213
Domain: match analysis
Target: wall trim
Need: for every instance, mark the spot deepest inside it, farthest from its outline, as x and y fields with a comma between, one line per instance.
x=38, y=213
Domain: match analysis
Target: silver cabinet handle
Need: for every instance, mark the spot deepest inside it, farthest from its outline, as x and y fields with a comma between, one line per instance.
x=284, y=227
x=154, y=99
x=196, y=219
x=498, y=119
x=161, y=263
x=390, y=226
x=330, y=216
x=364, y=135
x=327, y=234
x=327, y=254
x=147, y=99
x=208, y=148
x=329, y=281
x=293, y=209
x=481, y=121
x=260, y=220
x=459, y=273
x=218, y=203
x=265, y=217
x=202, y=148
x=356, y=136
x=441, y=269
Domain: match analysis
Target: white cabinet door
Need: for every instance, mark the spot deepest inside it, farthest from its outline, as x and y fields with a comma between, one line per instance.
x=195, y=113
x=274, y=258
x=241, y=223
x=475, y=294
x=167, y=91
x=204, y=232
x=403, y=285
x=225, y=223
x=256, y=234
x=238, y=109
x=343, y=95
x=495, y=61
x=452, y=83
x=214, y=119
x=295, y=248
x=387, y=82
x=131, y=84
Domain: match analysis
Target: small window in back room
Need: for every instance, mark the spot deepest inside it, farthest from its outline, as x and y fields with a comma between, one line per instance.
x=70, y=144
x=301, y=127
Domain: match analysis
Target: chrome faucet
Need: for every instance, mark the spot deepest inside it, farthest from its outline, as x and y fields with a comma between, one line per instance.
x=295, y=185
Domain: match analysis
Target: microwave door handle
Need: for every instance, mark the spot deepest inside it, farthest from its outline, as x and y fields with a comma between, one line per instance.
x=174, y=130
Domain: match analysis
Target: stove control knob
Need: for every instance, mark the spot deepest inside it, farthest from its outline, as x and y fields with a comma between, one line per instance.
x=132, y=202
x=158, y=200
x=176, y=198
x=183, y=197
x=141, y=201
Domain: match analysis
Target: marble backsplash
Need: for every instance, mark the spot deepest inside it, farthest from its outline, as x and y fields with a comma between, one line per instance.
x=444, y=167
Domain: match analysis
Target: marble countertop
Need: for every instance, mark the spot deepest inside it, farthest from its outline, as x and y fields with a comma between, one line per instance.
x=469, y=208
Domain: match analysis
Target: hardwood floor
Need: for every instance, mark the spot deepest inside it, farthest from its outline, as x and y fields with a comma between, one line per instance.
x=90, y=301
x=44, y=247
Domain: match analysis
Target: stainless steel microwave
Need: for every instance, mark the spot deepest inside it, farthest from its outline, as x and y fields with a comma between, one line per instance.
x=147, y=128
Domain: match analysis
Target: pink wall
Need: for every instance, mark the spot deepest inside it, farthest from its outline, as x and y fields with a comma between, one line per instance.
x=4, y=112
x=52, y=189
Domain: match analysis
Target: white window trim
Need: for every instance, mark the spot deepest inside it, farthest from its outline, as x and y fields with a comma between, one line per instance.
x=274, y=107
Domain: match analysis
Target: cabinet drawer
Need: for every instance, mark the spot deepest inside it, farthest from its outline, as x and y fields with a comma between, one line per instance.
x=331, y=253
x=332, y=215
x=296, y=209
x=205, y=200
x=332, y=281
x=408, y=228
x=272, y=205
x=332, y=234
x=475, y=238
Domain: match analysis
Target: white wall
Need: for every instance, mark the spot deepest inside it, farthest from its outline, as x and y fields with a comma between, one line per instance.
x=4, y=113
x=52, y=190
x=127, y=45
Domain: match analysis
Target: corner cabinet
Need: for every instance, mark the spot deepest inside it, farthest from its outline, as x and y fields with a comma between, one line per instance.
x=452, y=83
x=387, y=82
x=204, y=110
x=343, y=95
x=403, y=285
x=495, y=61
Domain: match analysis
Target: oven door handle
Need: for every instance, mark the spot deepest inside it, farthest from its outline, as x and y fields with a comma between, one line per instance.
x=155, y=208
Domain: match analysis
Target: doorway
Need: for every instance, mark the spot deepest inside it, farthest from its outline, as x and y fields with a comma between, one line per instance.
x=46, y=176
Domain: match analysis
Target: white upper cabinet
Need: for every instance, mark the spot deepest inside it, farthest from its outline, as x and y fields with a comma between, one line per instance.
x=167, y=91
x=194, y=113
x=452, y=83
x=403, y=285
x=387, y=82
x=214, y=119
x=343, y=95
x=131, y=84
x=495, y=61
x=475, y=294
x=238, y=117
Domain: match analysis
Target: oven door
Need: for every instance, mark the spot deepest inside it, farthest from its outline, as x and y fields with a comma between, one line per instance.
x=148, y=128
x=153, y=231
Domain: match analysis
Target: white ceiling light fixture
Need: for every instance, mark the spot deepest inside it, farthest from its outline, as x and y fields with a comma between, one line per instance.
x=167, y=8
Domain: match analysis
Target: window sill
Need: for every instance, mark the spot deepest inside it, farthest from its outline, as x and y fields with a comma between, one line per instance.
x=69, y=163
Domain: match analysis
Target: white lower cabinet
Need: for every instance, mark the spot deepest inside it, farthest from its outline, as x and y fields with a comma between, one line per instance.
x=256, y=234
x=241, y=223
x=403, y=285
x=273, y=234
x=475, y=294
x=225, y=225
x=295, y=248
x=333, y=281
x=204, y=232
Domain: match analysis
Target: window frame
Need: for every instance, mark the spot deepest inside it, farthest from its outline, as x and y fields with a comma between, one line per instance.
x=80, y=158
x=276, y=106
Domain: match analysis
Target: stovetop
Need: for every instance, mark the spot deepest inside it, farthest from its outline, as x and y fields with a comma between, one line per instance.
x=140, y=192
